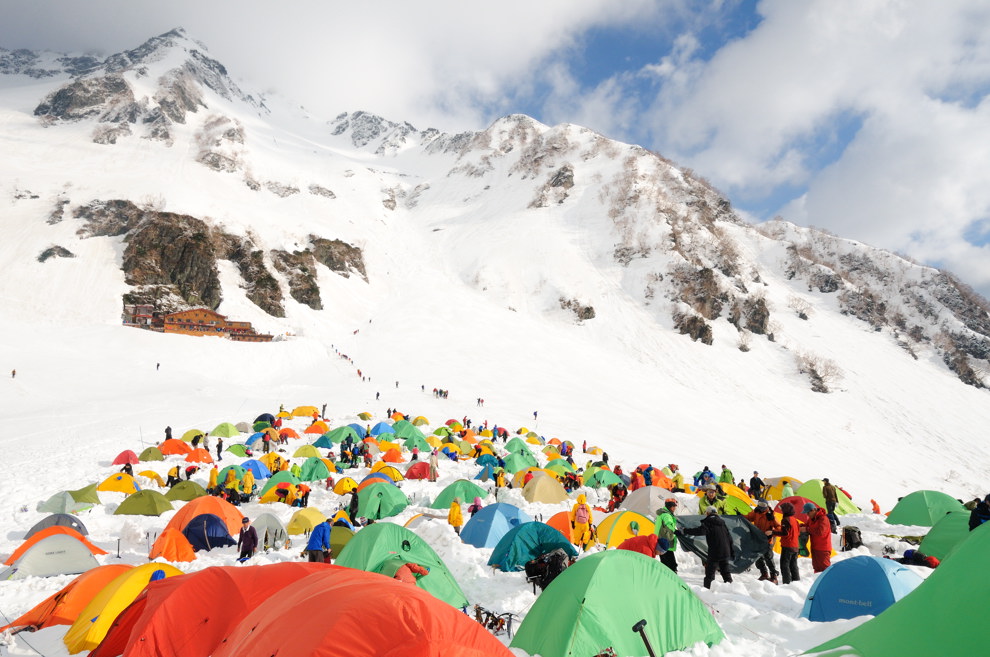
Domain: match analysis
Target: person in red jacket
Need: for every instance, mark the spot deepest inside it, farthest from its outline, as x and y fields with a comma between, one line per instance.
x=649, y=544
x=790, y=533
x=820, y=535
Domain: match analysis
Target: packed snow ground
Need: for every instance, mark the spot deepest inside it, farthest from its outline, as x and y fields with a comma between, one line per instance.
x=90, y=393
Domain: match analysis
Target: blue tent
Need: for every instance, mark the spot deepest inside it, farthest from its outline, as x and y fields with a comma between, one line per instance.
x=378, y=476
x=487, y=473
x=527, y=542
x=207, y=531
x=254, y=438
x=487, y=459
x=257, y=468
x=489, y=525
x=863, y=585
x=324, y=441
x=359, y=430
x=380, y=428
x=265, y=417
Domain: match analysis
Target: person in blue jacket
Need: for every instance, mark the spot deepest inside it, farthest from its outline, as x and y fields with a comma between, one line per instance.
x=318, y=547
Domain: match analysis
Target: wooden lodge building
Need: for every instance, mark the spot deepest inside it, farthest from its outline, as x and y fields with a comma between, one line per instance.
x=195, y=321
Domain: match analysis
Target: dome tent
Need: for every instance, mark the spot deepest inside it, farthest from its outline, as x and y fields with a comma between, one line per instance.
x=487, y=527
x=858, y=586
x=947, y=533
x=526, y=542
x=594, y=603
x=923, y=507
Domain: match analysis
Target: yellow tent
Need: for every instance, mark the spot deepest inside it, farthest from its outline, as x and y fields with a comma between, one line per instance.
x=595, y=450
x=305, y=411
x=119, y=483
x=270, y=497
x=420, y=421
x=94, y=621
x=776, y=485
x=192, y=433
x=304, y=520
x=305, y=452
x=386, y=445
x=735, y=491
x=522, y=430
x=153, y=476
x=283, y=414
x=487, y=433
x=434, y=441
x=365, y=415
x=534, y=440
x=269, y=460
x=617, y=527
x=392, y=472
x=345, y=485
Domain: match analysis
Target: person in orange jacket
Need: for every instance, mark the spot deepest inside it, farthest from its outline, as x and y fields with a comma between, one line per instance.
x=454, y=516
x=820, y=535
x=790, y=535
x=581, y=521
x=764, y=520
x=636, y=480
x=408, y=572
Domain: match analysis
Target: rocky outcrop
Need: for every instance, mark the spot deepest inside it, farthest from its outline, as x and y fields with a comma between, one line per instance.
x=260, y=285
x=555, y=189
x=299, y=269
x=694, y=326
x=339, y=257
x=108, y=218
x=581, y=311
x=86, y=98
x=55, y=251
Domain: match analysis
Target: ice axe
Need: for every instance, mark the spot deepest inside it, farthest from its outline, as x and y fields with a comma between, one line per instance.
x=638, y=627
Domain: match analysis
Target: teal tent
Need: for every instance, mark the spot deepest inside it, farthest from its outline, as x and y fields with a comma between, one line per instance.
x=383, y=547
x=520, y=461
x=923, y=507
x=594, y=604
x=526, y=542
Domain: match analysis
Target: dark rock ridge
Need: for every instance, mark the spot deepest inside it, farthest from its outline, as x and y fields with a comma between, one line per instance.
x=55, y=251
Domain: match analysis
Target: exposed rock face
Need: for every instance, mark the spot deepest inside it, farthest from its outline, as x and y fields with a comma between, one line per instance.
x=555, y=189
x=580, y=310
x=694, y=326
x=318, y=190
x=108, y=218
x=55, y=251
x=261, y=287
x=299, y=269
x=86, y=97
x=340, y=257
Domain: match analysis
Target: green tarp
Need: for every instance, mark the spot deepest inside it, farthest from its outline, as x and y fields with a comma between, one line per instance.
x=383, y=547
x=593, y=605
x=945, y=615
x=923, y=507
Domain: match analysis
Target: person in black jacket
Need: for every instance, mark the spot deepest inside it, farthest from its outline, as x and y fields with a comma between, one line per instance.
x=720, y=548
x=247, y=541
x=756, y=486
x=980, y=513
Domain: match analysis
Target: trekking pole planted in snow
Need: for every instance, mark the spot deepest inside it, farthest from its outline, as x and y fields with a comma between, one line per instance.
x=638, y=627
x=118, y=548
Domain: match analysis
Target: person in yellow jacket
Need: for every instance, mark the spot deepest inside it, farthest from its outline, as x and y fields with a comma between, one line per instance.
x=581, y=521
x=500, y=478
x=231, y=476
x=211, y=486
x=247, y=484
x=454, y=516
x=173, y=477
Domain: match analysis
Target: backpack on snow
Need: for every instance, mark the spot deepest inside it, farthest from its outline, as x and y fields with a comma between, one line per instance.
x=851, y=538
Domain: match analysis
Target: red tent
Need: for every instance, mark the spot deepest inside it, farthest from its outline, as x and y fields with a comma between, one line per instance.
x=174, y=446
x=170, y=618
x=64, y=607
x=418, y=470
x=798, y=503
x=318, y=614
x=127, y=456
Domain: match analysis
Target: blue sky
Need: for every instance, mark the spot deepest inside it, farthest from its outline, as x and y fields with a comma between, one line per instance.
x=868, y=118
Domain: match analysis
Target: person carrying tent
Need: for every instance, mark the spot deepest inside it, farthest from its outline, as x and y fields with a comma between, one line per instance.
x=666, y=527
x=318, y=547
x=756, y=486
x=173, y=477
x=247, y=540
x=475, y=506
x=786, y=490
x=581, y=522
x=980, y=513
x=455, y=517
x=725, y=477
x=831, y=500
x=720, y=548
x=408, y=572
x=820, y=534
x=711, y=500
x=790, y=535
x=649, y=545
x=764, y=520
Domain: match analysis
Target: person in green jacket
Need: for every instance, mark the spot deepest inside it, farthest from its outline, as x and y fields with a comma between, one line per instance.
x=666, y=525
x=726, y=476
x=711, y=498
x=786, y=490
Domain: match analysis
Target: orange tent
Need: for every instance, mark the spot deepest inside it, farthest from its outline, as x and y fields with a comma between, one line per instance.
x=561, y=522
x=396, y=416
x=159, y=621
x=172, y=545
x=51, y=531
x=394, y=617
x=319, y=427
x=64, y=607
x=393, y=455
x=226, y=511
x=661, y=480
x=174, y=446
x=199, y=455
x=288, y=433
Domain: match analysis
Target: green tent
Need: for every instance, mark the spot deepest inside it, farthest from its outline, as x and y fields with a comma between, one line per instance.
x=86, y=494
x=406, y=429
x=151, y=454
x=518, y=461
x=462, y=488
x=239, y=473
x=261, y=425
x=947, y=533
x=417, y=441
x=560, y=466
x=144, y=503
x=185, y=491
x=237, y=449
x=518, y=446
x=442, y=430
x=594, y=604
x=812, y=489
x=305, y=451
x=225, y=430
x=383, y=547
x=192, y=433
x=377, y=501
x=601, y=477
x=923, y=507
x=340, y=433
x=943, y=616
x=278, y=478
x=63, y=503
x=313, y=469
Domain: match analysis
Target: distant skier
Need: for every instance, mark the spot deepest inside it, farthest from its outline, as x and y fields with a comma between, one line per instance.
x=158, y=366
x=534, y=414
x=396, y=384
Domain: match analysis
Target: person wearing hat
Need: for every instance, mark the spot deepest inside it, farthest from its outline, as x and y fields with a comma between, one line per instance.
x=711, y=500
x=764, y=520
x=650, y=545
x=980, y=513
x=247, y=539
x=720, y=548
x=831, y=496
x=725, y=477
x=820, y=535
x=756, y=486
x=666, y=528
